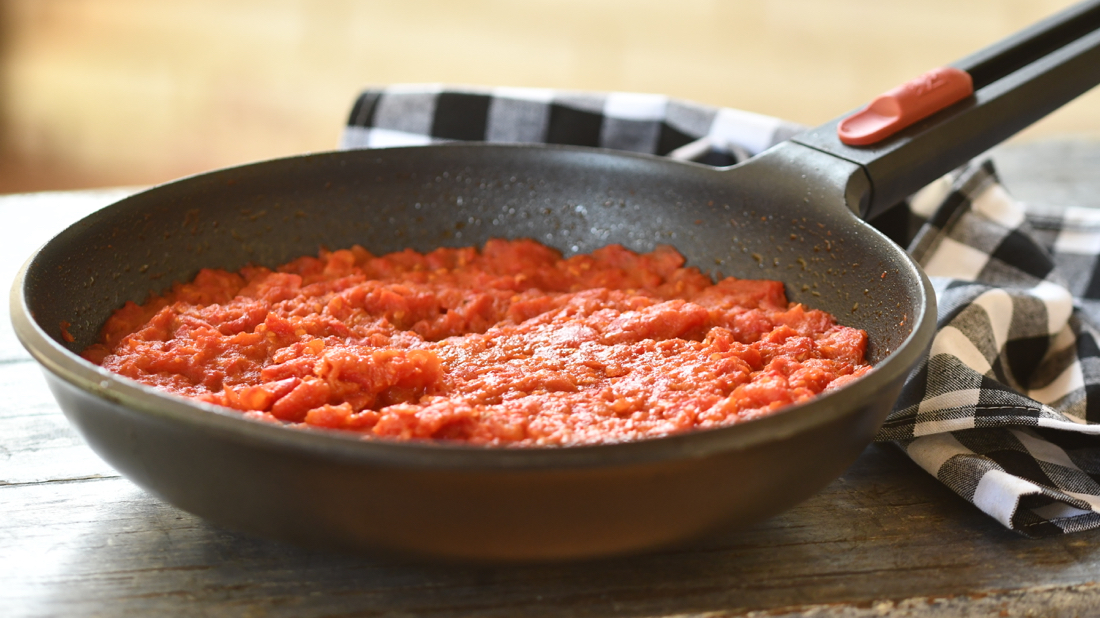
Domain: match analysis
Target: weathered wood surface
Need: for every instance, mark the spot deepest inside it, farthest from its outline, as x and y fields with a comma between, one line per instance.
x=78, y=540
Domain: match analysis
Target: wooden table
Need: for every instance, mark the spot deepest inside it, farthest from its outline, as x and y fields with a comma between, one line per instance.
x=76, y=539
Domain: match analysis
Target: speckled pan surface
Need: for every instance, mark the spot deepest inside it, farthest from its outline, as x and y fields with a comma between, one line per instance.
x=781, y=216
x=786, y=214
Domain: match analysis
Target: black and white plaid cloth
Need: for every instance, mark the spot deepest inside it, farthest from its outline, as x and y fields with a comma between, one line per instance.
x=412, y=115
x=1005, y=410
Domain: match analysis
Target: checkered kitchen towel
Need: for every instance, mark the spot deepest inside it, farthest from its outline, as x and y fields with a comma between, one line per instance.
x=412, y=115
x=1005, y=409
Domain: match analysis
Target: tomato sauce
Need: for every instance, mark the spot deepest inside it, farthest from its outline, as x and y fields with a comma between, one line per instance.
x=509, y=345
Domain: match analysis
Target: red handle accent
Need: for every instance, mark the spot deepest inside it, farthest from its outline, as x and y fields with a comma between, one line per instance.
x=898, y=108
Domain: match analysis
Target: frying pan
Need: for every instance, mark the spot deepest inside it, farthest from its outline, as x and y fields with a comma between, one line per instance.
x=792, y=213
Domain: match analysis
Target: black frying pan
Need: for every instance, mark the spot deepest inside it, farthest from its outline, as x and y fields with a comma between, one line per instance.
x=788, y=214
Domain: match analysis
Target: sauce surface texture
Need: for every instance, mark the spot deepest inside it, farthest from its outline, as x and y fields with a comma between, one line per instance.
x=509, y=345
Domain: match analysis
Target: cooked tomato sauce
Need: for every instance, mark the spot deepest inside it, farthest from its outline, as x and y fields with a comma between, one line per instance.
x=509, y=345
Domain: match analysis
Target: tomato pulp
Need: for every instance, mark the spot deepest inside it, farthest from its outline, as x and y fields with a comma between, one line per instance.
x=509, y=345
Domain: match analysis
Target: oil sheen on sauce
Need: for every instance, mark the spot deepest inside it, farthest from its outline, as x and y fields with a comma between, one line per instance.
x=509, y=345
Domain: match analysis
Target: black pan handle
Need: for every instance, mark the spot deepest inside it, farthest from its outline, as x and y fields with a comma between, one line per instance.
x=1016, y=82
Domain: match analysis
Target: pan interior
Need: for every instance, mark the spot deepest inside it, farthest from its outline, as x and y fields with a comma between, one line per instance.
x=742, y=222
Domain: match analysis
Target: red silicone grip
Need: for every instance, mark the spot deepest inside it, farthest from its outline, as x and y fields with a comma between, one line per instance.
x=915, y=99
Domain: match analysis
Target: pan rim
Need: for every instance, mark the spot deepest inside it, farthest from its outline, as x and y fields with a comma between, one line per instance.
x=350, y=446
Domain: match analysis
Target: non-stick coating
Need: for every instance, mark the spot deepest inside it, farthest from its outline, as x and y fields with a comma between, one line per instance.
x=575, y=200
x=781, y=217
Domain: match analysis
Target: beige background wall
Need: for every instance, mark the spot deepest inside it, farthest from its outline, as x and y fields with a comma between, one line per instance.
x=100, y=92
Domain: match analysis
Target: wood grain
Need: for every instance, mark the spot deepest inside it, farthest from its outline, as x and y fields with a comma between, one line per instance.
x=884, y=531
x=38, y=443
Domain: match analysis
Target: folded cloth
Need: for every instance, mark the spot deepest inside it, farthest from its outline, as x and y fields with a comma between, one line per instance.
x=1006, y=407
x=1003, y=410
x=410, y=115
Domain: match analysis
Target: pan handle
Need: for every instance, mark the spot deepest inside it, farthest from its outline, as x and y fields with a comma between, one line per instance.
x=1016, y=82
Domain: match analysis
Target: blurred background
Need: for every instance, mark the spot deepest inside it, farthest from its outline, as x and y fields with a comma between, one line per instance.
x=128, y=92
